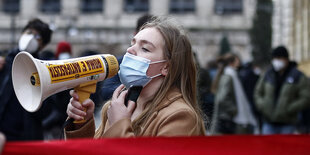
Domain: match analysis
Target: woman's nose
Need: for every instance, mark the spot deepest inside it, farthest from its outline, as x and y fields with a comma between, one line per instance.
x=131, y=50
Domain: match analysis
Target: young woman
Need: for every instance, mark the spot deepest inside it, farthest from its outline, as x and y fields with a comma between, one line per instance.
x=232, y=113
x=161, y=60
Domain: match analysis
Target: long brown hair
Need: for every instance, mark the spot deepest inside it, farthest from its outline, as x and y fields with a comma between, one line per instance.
x=222, y=62
x=181, y=74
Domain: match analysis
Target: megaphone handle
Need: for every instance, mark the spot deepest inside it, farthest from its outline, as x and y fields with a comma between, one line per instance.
x=84, y=90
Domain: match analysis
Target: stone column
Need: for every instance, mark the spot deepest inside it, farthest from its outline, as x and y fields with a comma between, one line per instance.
x=159, y=7
x=70, y=8
x=29, y=7
x=113, y=8
x=204, y=8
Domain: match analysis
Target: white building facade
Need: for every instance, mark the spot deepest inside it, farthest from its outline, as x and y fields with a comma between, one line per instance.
x=107, y=26
x=291, y=28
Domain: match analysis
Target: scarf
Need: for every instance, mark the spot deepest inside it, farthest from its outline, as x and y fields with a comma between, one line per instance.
x=244, y=115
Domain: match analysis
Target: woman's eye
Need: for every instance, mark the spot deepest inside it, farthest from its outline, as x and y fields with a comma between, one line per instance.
x=145, y=50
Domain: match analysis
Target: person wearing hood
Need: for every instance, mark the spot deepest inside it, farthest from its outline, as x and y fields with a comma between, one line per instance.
x=281, y=94
x=15, y=122
x=63, y=51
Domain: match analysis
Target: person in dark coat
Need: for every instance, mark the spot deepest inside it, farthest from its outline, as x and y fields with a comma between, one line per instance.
x=249, y=74
x=15, y=122
x=281, y=94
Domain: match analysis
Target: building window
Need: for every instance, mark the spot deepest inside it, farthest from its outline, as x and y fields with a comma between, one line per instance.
x=50, y=6
x=182, y=6
x=91, y=6
x=223, y=7
x=11, y=6
x=133, y=6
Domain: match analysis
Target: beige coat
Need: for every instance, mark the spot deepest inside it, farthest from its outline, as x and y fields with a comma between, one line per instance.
x=176, y=118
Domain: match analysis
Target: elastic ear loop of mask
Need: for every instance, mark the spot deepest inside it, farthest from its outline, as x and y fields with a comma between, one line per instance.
x=155, y=62
x=152, y=78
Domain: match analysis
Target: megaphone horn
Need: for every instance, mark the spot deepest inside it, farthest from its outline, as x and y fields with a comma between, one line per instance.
x=35, y=80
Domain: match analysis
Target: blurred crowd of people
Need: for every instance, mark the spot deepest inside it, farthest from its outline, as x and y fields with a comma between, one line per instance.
x=249, y=99
x=235, y=98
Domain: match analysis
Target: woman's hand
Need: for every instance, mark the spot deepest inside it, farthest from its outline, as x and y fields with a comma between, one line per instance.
x=75, y=109
x=117, y=109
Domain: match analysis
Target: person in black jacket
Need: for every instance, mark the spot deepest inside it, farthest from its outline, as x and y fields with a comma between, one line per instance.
x=15, y=122
x=281, y=94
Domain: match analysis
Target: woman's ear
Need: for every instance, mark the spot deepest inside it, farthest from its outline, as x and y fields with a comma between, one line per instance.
x=165, y=69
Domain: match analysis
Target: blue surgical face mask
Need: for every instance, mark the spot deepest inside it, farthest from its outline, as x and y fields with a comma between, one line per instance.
x=133, y=70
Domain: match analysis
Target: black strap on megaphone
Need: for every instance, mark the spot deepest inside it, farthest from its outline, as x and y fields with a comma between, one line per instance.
x=67, y=122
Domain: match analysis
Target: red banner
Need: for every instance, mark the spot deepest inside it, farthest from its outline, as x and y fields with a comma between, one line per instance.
x=277, y=144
